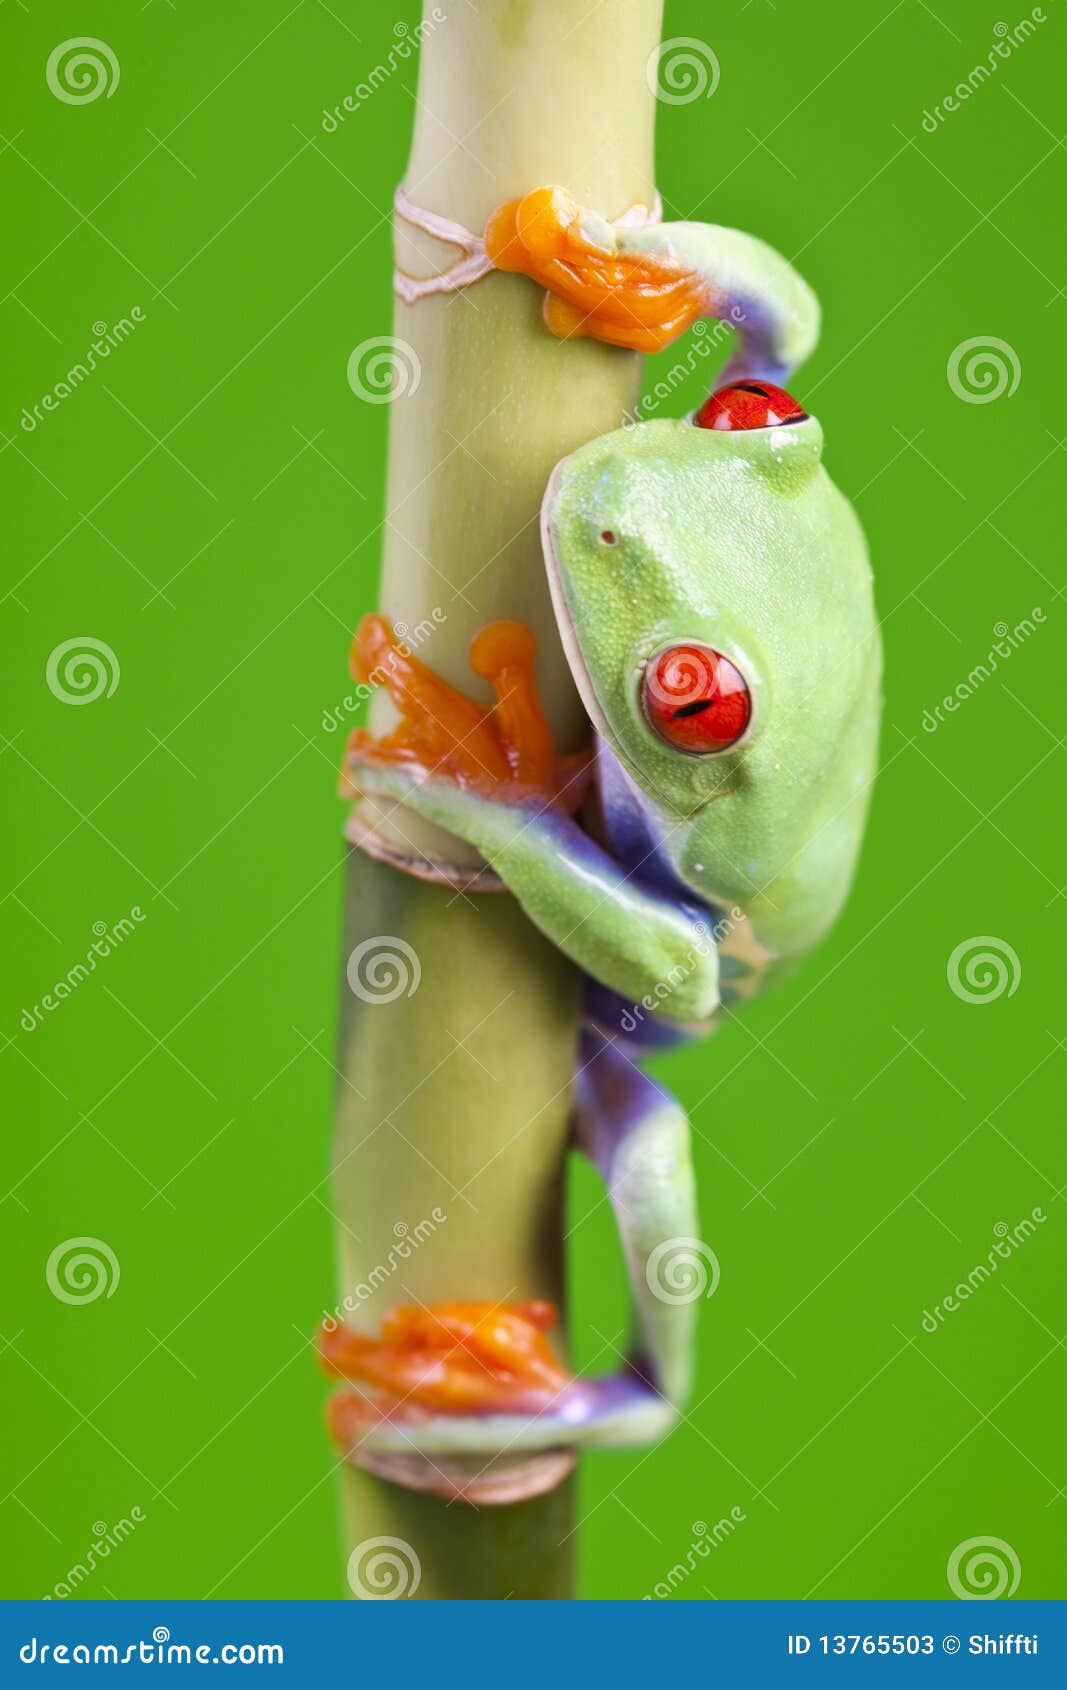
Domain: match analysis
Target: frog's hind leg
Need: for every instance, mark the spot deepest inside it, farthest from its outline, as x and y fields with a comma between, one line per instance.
x=637, y=1137
x=446, y=1424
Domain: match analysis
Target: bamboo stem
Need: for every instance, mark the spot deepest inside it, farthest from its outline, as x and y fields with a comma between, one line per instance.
x=454, y=1099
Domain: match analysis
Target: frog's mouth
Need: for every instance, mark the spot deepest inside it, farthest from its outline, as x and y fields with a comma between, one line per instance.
x=572, y=651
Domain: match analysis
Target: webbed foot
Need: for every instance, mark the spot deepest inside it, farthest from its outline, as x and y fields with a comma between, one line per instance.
x=450, y=1358
x=505, y=752
x=469, y=1400
x=596, y=287
x=640, y=284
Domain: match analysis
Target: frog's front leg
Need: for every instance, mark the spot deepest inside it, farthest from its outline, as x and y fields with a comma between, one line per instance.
x=624, y=933
x=642, y=286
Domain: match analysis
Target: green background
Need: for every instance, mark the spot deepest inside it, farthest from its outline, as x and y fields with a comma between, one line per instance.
x=208, y=504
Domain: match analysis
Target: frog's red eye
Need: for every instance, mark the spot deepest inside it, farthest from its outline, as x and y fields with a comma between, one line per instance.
x=749, y=404
x=696, y=699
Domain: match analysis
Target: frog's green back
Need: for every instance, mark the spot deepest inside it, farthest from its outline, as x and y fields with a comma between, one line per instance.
x=665, y=533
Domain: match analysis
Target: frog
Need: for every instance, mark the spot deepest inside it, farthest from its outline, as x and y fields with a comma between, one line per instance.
x=713, y=595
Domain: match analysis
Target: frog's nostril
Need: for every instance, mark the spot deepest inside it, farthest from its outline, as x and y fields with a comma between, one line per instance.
x=609, y=537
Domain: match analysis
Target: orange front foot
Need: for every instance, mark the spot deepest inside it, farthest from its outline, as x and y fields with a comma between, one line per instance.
x=451, y=1358
x=442, y=731
x=639, y=300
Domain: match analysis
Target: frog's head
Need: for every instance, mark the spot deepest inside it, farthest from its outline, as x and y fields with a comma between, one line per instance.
x=713, y=595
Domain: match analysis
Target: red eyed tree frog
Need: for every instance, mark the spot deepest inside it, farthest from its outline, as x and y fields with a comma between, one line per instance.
x=713, y=595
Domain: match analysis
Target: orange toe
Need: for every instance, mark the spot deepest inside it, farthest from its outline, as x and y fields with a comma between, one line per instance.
x=503, y=654
x=450, y=1358
x=634, y=299
x=451, y=729
x=506, y=750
